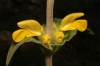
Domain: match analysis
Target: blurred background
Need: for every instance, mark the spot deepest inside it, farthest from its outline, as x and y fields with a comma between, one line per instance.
x=82, y=50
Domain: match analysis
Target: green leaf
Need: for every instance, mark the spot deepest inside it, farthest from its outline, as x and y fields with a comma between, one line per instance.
x=14, y=47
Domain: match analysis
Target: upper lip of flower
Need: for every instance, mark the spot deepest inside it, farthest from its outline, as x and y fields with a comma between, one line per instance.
x=29, y=28
x=69, y=22
x=31, y=25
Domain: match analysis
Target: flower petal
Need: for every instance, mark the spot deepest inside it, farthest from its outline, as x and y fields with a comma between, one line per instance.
x=69, y=19
x=20, y=34
x=31, y=25
x=31, y=35
x=80, y=25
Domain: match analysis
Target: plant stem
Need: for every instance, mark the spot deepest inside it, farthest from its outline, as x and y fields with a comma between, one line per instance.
x=49, y=27
x=48, y=60
x=49, y=16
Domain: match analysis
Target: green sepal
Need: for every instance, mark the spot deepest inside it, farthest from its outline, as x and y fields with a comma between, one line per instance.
x=57, y=21
x=69, y=34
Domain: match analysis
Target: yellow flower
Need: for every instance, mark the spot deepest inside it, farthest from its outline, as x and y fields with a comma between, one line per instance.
x=70, y=23
x=29, y=28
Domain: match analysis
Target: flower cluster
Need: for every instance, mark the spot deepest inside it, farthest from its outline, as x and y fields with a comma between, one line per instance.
x=32, y=28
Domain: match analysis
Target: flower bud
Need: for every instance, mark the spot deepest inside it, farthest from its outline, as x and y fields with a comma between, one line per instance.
x=59, y=36
x=46, y=39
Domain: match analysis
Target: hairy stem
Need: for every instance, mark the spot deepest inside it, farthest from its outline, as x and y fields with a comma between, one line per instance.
x=49, y=27
x=49, y=16
x=48, y=60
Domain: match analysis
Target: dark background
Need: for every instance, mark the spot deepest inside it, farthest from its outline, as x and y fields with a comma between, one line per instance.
x=82, y=50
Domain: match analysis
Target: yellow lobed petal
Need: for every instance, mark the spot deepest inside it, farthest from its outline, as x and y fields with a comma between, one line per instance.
x=46, y=39
x=67, y=20
x=20, y=34
x=80, y=25
x=31, y=25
